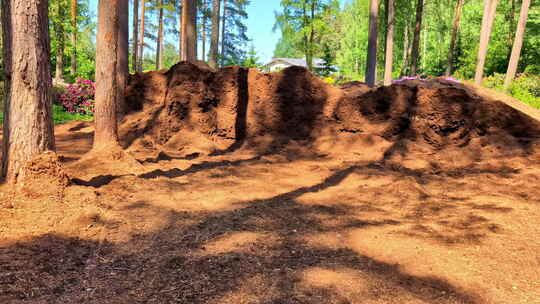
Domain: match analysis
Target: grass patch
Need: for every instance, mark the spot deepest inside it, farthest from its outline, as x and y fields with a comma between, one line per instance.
x=59, y=115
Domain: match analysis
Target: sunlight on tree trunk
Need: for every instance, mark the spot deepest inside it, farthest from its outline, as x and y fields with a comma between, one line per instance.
x=123, y=54
x=389, y=44
x=106, y=129
x=189, y=30
x=28, y=125
x=371, y=66
x=518, y=43
x=135, y=43
x=490, y=8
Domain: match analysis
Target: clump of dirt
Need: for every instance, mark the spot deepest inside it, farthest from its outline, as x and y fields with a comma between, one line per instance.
x=43, y=175
x=193, y=109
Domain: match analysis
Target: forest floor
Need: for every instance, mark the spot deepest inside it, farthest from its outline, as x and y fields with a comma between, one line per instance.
x=246, y=227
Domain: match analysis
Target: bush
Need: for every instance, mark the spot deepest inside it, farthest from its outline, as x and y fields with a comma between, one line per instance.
x=525, y=87
x=78, y=98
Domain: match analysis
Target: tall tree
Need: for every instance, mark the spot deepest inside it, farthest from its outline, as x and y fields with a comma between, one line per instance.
x=416, y=39
x=74, y=37
x=204, y=21
x=28, y=127
x=371, y=65
x=106, y=129
x=59, y=26
x=223, y=25
x=389, y=43
x=518, y=43
x=123, y=52
x=490, y=8
x=214, y=39
x=159, y=46
x=142, y=33
x=135, y=46
x=453, y=39
x=189, y=30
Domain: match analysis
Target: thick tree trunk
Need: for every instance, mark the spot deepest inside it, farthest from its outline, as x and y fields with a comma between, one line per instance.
x=490, y=8
x=180, y=27
x=389, y=60
x=371, y=65
x=416, y=39
x=135, y=46
x=223, y=24
x=518, y=43
x=28, y=127
x=189, y=30
x=141, y=40
x=123, y=54
x=74, y=37
x=214, y=39
x=159, y=46
x=453, y=39
x=106, y=130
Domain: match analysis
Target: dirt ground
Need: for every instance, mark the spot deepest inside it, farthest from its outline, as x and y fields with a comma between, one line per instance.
x=375, y=201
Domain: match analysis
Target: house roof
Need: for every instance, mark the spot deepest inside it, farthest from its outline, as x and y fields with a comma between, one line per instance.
x=317, y=62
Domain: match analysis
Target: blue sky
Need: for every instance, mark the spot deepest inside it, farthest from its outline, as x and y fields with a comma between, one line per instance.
x=259, y=23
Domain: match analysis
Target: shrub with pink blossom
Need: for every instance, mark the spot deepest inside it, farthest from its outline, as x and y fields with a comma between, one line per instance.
x=79, y=97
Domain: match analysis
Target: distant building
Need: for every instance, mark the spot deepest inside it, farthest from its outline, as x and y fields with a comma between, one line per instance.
x=278, y=64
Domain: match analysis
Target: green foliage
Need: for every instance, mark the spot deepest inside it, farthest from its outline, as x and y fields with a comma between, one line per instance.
x=252, y=59
x=525, y=87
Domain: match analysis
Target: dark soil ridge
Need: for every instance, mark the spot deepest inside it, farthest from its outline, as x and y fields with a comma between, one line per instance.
x=192, y=109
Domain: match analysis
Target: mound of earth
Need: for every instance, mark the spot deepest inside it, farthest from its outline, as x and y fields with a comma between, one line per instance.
x=192, y=109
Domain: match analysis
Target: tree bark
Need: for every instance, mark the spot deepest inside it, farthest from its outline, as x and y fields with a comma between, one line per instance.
x=389, y=44
x=309, y=55
x=28, y=126
x=123, y=54
x=180, y=27
x=518, y=43
x=490, y=8
x=371, y=65
x=416, y=38
x=214, y=39
x=159, y=47
x=141, y=40
x=106, y=129
x=189, y=30
x=223, y=24
x=405, y=56
x=453, y=39
x=74, y=37
x=135, y=46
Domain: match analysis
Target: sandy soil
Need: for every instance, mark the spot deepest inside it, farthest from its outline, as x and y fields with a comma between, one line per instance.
x=289, y=225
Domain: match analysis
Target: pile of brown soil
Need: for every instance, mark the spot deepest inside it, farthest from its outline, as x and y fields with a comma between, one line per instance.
x=43, y=175
x=192, y=109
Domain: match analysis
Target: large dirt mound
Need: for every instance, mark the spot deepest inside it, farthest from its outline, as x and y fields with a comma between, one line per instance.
x=192, y=109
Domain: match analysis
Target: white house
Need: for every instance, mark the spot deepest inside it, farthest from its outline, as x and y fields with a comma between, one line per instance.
x=278, y=64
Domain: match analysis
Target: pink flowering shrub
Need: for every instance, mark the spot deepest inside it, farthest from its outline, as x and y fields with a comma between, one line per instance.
x=79, y=97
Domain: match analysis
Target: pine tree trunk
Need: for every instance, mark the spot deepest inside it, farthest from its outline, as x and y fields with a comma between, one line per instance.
x=74, y=37
x=189, y=31
x=135, y=45
x=60, y=40
x=159, y=47
x=518, y=43
x=309, y=55
x=106, y=130
x=123, y=54
x=388, y=64
x=371, y=65
x=490, y=8
x=453, y=39
x=223, y=24
x=405, y=57
x=204, y=31
x=416, y=39
x=28, y=126
x=141, y=40
x=180, y=27
x=214, y=39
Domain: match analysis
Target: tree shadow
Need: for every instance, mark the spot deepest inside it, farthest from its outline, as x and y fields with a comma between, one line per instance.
x=191, y=260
